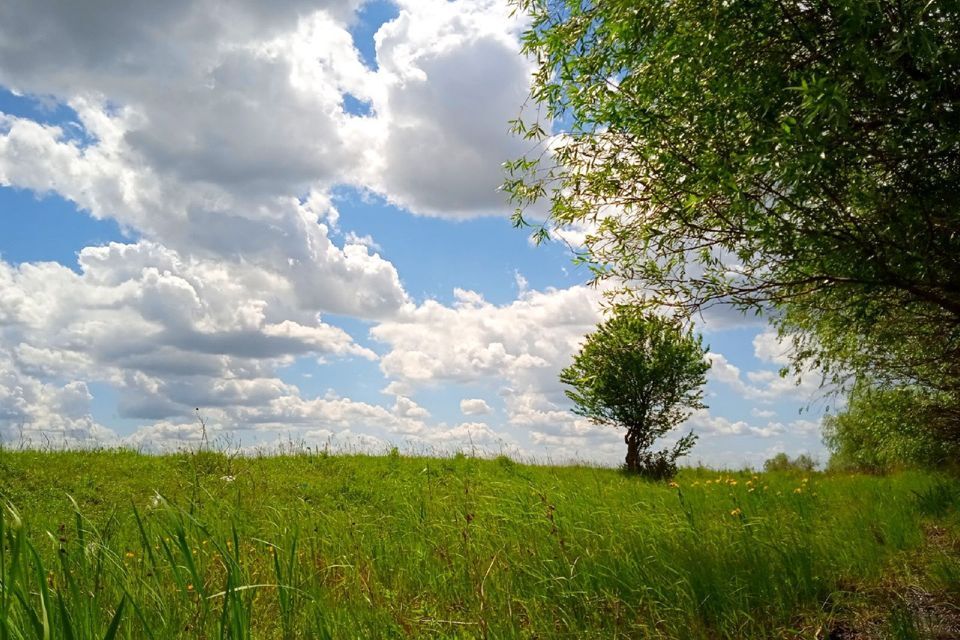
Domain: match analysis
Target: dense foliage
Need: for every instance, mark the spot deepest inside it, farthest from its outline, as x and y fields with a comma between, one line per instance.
x=641, y=372
x=313, y=546
x=782, y=462
x=883, y=429
x=796, y=158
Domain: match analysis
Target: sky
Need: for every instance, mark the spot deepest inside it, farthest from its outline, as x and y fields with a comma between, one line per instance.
x=285, y=217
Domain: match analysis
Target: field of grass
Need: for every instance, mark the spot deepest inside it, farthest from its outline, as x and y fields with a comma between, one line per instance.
x=121, y=545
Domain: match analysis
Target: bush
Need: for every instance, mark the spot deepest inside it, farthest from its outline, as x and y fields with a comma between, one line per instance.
x=661, y=465
x=883, y=429
x=782, y=462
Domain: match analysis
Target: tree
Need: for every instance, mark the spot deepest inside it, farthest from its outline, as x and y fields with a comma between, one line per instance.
x=782, y=462
x=793, y=158
x=883, y=429
x=641, y=372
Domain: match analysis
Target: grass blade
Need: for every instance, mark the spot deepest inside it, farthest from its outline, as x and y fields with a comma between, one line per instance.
x=115, y=623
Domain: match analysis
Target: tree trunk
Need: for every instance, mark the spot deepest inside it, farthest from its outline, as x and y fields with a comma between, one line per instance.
x=633, y=450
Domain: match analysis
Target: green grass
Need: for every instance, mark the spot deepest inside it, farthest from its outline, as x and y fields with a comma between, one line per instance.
x=116, y=544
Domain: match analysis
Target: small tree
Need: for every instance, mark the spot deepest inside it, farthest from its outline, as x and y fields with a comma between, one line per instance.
x=641, y=372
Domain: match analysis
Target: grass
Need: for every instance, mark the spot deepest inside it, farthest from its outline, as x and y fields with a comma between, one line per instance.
x=113, y=544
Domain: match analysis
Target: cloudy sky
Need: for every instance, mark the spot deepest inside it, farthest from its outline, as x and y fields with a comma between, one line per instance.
x=286, y=214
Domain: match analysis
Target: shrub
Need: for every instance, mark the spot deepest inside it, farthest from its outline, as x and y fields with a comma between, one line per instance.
x=883, y=429
x=783, y=462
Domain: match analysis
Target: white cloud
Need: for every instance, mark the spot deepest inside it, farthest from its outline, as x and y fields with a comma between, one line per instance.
x=764, y=385
x=466, y=434
x=407, y=408
x=36, y=413
x=165, y=436
x=171, y=334
x=214, y=104
x=772, y=429
x=804, y=426
x=516, y=348
x=214, y=134
x=277, y=241
x=704, y=423
x=475, y=407
x=768, y=348
x=453, y=79
x=521, y=343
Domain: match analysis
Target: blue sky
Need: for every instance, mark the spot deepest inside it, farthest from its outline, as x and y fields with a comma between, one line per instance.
x=290, y=219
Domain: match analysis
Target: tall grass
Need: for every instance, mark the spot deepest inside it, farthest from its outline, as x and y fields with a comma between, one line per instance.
x=116, y=545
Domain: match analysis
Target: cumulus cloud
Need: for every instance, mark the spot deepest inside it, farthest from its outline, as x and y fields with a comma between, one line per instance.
x=218, y=92
x=475, y=407
x=214, y=134
x=279, y=239
x=768, y=347
x=212, y=105
x=516, y=349
x=704, y=423
x=764, y=386
x=36, y=413
x=330, y=421
x=453, y=78
x=407, y=408
x=523, y=343
x=171, y=333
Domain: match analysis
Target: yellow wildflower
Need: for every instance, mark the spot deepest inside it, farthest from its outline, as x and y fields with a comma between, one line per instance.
x=189, y=587
x=736, y=512
x=674, y=485
x=130, y=554
x=798, y=490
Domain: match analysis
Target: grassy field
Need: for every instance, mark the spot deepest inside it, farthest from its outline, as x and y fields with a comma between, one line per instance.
x=116, y=544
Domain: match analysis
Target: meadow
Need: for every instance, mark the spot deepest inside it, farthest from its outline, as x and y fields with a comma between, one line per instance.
x=115, y=544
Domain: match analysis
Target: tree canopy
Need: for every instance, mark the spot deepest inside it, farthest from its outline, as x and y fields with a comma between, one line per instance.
x=883, y=429
x=794, y=158
x=641, y=372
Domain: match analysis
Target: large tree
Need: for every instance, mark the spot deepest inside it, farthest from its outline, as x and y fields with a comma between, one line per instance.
x=796, y=158
x=641, y=372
